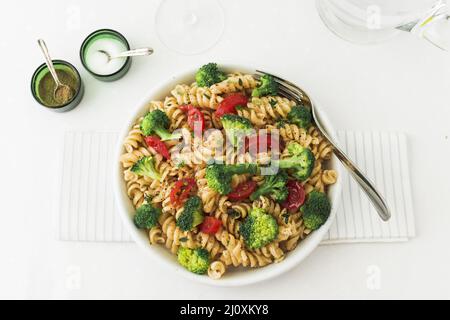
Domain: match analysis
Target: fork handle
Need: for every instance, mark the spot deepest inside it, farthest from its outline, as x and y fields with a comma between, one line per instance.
x=368, y=187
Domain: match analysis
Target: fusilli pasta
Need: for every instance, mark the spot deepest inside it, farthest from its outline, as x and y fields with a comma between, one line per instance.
x=188, y=162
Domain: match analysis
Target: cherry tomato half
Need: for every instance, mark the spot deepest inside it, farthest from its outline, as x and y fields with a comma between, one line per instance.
x=195, y=117
x=210, y=225
x=243, y=191
x=229, y=104
x=159, y=146
x=296, y=197
x=181, y=191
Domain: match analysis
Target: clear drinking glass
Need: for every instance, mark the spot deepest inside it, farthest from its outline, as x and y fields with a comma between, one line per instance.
x=372, y=21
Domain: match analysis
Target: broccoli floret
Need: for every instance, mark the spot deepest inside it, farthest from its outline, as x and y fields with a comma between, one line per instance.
x=275, y=186
x=219, y=176
x=268, y=87
x=157, y=122
x=235, y=127
x=301, y=161
x=259, y=229
x=146, y=167
x=316, y=210
x=146, y=216
x=300, y=116
x=192, y=214
x=195, y=260
x=208, y=75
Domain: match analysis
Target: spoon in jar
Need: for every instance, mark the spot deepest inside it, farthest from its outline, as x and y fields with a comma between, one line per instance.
x=130, y=53
x=62, y=93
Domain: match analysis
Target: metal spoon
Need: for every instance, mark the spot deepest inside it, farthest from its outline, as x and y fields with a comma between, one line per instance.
x=62, y=93
x=130, y=53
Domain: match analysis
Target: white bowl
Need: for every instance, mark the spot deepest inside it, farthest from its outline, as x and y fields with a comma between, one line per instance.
x=161, y=255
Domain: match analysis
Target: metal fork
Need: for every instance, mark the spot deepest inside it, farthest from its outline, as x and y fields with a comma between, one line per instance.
x=291, y=91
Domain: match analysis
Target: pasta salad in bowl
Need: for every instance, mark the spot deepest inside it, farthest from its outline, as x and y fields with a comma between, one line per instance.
x=224, y=179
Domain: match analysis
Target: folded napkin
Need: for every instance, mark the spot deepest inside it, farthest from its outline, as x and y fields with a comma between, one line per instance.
x=87, y=212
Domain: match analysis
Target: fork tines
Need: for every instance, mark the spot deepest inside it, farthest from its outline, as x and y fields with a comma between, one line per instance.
x=287, y=88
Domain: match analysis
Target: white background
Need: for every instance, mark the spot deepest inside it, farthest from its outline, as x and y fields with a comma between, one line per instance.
x=401, y=85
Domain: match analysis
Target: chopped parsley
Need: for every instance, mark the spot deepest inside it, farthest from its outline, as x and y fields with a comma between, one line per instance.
x=233, y=213
x=148, y=198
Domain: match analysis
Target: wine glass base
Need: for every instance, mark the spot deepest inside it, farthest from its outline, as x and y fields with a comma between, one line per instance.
x=190, y=27
x=355, y=33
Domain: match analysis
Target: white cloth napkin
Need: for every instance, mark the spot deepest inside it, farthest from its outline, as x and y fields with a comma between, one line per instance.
x=86, y=210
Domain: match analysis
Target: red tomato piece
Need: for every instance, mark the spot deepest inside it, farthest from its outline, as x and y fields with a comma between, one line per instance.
x=210, y=225
x=181, y=190
x=296, y=197
x=243, y=191
x=195, y=117
x=229, y=104
x=159, y=146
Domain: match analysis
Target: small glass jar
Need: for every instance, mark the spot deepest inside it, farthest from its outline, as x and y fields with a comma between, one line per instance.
x=43, y=71
x=105, y=34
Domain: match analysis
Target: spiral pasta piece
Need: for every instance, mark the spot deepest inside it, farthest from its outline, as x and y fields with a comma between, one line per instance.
x=156, y=236
x=175, y=236
x=321, y=148
x=155, y=105
x=298, y=233
x=136, y=188
x=271, y=251
x=244, y=258
x=329, y=177
x=272, y=108
x=235, y=83
x=315, y=180
x=209, y=199
x=130, y=158
x=204, y=97
x=256, y=118
x=291, y=132
x=134, y=139
x=216, y=270
x=210, y=243
x=176, y=115
x=197, y=96
x=229, y=222
x=241, y=209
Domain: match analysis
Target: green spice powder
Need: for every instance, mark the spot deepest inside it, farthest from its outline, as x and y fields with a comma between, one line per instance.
x=47, y=85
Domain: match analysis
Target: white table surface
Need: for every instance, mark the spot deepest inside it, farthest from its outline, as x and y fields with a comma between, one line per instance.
x=401, y=85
